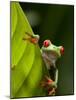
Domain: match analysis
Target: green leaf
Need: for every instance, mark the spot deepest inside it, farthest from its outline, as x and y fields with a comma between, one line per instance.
x=18, y=46
x=33, y=78
x=13, y=18
x=27, y=64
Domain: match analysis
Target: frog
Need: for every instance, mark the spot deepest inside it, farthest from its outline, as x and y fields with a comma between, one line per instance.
x=50, y=54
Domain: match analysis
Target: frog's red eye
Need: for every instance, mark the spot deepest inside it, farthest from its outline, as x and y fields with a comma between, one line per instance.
x=46, y=43
x=62, y=50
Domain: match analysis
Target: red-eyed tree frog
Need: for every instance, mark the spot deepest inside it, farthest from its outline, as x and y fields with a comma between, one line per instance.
x=50, y=53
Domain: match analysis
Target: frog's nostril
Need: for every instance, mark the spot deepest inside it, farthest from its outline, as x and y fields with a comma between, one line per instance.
x=62, y=50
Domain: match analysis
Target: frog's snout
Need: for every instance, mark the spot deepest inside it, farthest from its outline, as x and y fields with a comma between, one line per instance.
x=62, y=50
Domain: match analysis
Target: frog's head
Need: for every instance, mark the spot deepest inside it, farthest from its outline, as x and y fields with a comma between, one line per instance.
x=55, y=50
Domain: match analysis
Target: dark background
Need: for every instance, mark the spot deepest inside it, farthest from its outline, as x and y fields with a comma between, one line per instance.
x=55, y=22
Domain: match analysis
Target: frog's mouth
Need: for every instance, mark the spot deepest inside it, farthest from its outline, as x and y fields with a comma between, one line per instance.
x=54, y=53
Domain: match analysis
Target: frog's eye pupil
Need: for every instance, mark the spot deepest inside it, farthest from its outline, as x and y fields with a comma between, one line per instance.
x=46, y=43
x=62, y=50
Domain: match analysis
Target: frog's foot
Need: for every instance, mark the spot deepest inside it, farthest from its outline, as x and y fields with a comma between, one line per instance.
x=51, y=91
x=33, y=38
x=24, y=38
x=52, y=88
x=50, y=82
x=49, y=85
x=47, y=81
x=53, y=84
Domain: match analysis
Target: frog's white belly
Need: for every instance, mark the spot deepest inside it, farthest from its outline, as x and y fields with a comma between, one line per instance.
x=49, y=59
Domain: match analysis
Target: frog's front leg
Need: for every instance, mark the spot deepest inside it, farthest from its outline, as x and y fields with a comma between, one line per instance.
x=56, y=76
